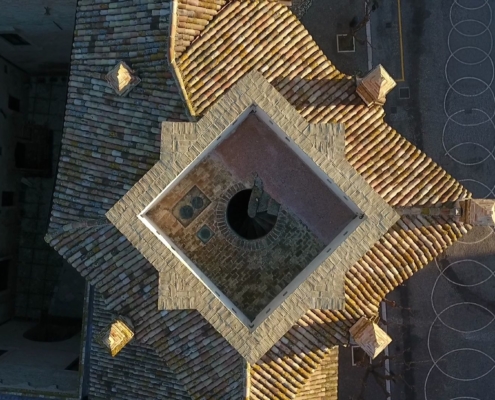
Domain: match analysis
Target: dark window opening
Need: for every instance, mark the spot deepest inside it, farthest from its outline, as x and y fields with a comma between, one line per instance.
x=7, y=199
x=242, y=224
x=4, y=275
x=14, y=104
x=359, y=356
x=14, y=39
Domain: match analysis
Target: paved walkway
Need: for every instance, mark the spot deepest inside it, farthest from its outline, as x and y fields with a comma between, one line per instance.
x=460, y=337
x=443, y=326
x=325, y=19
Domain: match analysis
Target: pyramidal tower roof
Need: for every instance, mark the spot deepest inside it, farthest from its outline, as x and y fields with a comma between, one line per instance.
x=375, y=86
x=195, y=348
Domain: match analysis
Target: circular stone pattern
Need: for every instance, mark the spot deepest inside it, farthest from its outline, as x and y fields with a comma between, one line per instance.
x=224, y=228
x=197, y=202
x=205, y=233
x=242, y=224
x=186, y=212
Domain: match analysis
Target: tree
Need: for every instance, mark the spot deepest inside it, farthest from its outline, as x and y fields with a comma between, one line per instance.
x=356, y=25
x=374, y=370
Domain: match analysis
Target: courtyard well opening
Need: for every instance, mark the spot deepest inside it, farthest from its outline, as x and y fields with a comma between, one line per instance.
x=240, y=221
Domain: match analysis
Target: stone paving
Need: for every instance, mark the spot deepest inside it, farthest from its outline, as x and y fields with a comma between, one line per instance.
x=325, y=20
x=442, y=319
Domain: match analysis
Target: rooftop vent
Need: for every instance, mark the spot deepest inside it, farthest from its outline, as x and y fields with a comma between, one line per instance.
x=122, y=79
x=375, y=86
x=370, y=337
x=116, y=335
x=190, y=206
x=479, y=212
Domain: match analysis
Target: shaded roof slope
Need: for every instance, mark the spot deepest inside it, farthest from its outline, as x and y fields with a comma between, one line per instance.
x=122, y=377
x=323, y=384
x=193, y=350
x=110, y=141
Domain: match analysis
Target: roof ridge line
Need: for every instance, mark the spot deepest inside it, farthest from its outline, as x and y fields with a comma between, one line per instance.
x=173, y=64
x=77, y=224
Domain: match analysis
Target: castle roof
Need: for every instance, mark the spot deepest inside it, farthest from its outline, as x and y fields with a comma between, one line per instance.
x=111, y=142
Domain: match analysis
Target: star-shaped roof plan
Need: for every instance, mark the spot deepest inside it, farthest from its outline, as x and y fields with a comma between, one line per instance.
x=242, y=207
x=252, y=290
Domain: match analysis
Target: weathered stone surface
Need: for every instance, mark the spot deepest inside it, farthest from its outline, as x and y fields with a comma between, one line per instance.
x=249, y=272
x=116, y=335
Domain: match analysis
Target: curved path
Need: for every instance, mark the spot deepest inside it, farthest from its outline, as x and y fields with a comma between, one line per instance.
x=464, y=362
x=444, y=327
x=459, y=337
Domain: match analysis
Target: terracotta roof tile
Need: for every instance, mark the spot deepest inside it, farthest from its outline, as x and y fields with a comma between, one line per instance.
x=110, y=142
x=215, y=61
x=189, y=19
x=323, y=383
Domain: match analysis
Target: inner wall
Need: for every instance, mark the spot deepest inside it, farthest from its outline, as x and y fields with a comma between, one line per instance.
x=254, y=147
x=251, y=276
